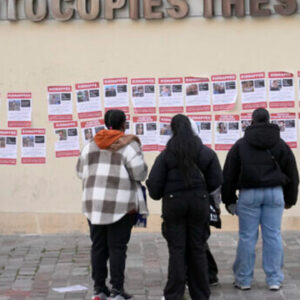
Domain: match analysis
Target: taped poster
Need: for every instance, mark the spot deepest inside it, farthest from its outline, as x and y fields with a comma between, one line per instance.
x=19, y=109
x=197, y=94
x=88, y=100
x=67, y=144
x=224, y=92
x=227, y=131
x=171, y=95
x=116, y=94
x=145, y=127
x=143, y=92
x=90, y=128
x=8, y=147
x=281, y=89
x=204, y=126
x=253, y=90
x=60, y=104
x=33, y=150
x=246, y=120
x=165, y=132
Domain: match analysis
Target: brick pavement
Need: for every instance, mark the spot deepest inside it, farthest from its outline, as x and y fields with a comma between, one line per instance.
x=30, y=266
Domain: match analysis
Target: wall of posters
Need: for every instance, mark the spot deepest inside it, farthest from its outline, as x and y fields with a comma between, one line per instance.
x=227, y=131
x=170, y=95
x=88, y=100
x=281, y=89
x=253, y=90
x=8, y=147
x=33, y=147
x=204, y=125
x=246, y=119
x=90, y=128
x=143, y=95
x=67, y=144
x=60, y=104
x=197, y=94
x=165, y=132
x=19, y=109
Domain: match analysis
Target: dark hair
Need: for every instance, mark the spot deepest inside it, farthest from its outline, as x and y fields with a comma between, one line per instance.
x=114, y=119
x=260, y=116
x=184, y=144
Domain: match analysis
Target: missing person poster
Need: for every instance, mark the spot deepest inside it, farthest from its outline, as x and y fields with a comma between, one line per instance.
x=88, y=100
x=116, y=94
x=246, y=119
x=281, y=89
x=287, y=125
x=8, y=147
x=224, y=92
x=165, y=132
x=227, y=131
x=90, y=128
x=60, y=104
x=145, y=127
x=67, y=144
x=204, y=126
x=143, y=95
x=253, y=90
x=128, y=124
x=33, y=149
x=19, y=109
x=197, y=94
x=170, y=95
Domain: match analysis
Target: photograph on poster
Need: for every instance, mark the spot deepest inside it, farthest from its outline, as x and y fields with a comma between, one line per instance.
x=28, y=141
x=39, y=139
x=62, y=134
x=11, y=140
x=122, y=88
x=138, y=91
x=203, y=87
x=94, y=93
x=54, y=99
x=275, y=85
x=149, y=89
x=83, y=96
x=165, y=129
x=65, y=96
x=165, y=91
x=248, y=86
x=245, y=124
x=2, y=142
x=222, y=127
x=139, y=129
x=14, y=105
x=219, y=88
x=110, y=91
x=88, y=133
x=191, y=90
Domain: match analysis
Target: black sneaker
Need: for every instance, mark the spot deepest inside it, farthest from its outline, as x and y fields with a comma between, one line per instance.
x=214, y=281
x=119, y=295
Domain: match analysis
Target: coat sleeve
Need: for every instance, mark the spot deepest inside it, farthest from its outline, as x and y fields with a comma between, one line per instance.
x=231, y=174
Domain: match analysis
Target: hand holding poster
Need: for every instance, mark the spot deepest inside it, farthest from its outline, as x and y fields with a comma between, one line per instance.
x=165, y=132
x=33, y=146
x=143, y=92
x=88, y=100
x=254, y=92
x=246, y=120
x=204, y=128
x=8, y=147
x=90, y=128
x=60, y=107
x=197, y=94
x=19, y=109
x=224, y=92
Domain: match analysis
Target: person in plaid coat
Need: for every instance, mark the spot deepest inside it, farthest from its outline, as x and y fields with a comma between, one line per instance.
x=111, y=167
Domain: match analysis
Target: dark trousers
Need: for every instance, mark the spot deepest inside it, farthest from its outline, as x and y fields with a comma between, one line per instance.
x=185, y=228
x=212, y=266
x=110, y=242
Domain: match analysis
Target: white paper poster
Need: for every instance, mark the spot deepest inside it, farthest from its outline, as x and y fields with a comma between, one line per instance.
x=143, y=95
x=116, y=94
x=33, y=149
x=253, y=90
x=281, y=89
x=67, y=144
x=146, y=128
x=204, y=126
x=246, y=119
x=224, y=92
x=287, y=125
x=90, y=128
x=170, y=95
x=60, y=104
x=165, y=132
x=19, y=109
x=8, y=147
x=197, y=94
x=88, y=100
x=227, y=131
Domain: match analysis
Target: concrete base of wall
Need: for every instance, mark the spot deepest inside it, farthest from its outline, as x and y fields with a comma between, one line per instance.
x=51, y=223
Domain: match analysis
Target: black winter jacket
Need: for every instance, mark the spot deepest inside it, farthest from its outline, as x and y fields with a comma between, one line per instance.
x=260, y=159
x=165, y=176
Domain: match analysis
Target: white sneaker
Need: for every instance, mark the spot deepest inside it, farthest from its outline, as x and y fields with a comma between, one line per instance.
x=162, y=298
x=242, y=287
x=274, y=287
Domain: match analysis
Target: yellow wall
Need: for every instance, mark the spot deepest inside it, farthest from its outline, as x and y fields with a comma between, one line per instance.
x=47, y=198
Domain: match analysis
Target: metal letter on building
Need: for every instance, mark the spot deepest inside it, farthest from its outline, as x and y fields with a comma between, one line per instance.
x=179, y=10
x=286, y=8
x=257, y=11
x=134, y=9
x=82, y=10
x=11, y=6
x=208, y=8
x=38, y=14
x=227, y=6
x=111, y=6
x=149, y=13
x=57, y=11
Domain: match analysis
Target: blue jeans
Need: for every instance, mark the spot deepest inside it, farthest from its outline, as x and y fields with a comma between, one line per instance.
x=264, y=207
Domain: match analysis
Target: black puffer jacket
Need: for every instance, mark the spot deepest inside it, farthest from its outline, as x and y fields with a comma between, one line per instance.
x=249, y=164
x=165, y=176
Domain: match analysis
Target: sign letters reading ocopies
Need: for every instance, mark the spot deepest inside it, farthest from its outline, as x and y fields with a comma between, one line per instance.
x=90, y=128
x=165, y=132
x=8, y=147
x=204, y=127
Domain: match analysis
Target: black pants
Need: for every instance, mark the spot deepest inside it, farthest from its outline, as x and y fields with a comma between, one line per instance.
x=212, y=266
x=110, y=242
x=185, y=228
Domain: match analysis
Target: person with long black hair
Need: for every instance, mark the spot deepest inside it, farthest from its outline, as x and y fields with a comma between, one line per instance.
x=183, y=175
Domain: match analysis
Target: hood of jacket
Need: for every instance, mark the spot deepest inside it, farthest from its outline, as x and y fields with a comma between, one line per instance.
x=263, y=136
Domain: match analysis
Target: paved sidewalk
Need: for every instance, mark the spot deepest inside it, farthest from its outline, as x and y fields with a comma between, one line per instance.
x=30, y=266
